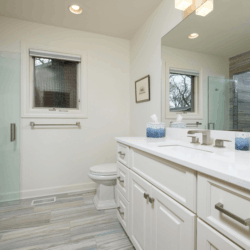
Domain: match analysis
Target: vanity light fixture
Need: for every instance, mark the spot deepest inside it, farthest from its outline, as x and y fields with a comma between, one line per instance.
x=205, y=8
x=75, y=9
x=183, y=4
x=193, y=36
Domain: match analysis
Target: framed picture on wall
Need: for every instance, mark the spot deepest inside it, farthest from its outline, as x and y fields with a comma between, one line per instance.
x=142, y=89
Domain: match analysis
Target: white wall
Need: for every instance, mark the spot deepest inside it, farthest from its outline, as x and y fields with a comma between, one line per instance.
x=58, y=160
x=146, y=60
x=207, y=65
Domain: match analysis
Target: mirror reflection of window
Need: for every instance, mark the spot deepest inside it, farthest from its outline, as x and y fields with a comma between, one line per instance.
x=181, y=92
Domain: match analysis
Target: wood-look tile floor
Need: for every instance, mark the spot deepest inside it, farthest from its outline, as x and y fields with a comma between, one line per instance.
x=70, y=223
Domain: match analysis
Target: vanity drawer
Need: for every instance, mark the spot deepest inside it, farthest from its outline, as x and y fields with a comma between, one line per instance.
x=123, y=180
x=208, y=239
x=225, y=207
x=123, y=154
x=173, y=179
x=123, y=211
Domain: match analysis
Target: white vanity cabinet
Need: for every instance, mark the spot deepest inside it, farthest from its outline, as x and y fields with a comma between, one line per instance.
x=122, y=186
x=156, y=220
x=225, y=207
x=210, y=239
x=173, y=226
x=166, y=206
x=140, y=212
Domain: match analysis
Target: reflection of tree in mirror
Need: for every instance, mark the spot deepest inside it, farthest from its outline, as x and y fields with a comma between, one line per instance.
x=181, y=97
x=42, y=61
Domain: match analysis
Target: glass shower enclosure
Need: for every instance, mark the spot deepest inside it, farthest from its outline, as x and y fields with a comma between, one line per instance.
x=221, y=94
x=10, y=76
x=229, y=103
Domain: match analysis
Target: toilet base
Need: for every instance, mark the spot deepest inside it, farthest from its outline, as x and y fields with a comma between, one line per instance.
x=105, y=197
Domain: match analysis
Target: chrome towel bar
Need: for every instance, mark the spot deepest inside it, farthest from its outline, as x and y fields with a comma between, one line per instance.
x=32, y=124
x=192, y=124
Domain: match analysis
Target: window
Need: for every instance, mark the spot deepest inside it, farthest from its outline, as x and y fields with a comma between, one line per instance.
x=181, y=92
x=54, y=82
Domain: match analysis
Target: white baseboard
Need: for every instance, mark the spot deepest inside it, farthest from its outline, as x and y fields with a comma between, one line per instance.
x=57, y=190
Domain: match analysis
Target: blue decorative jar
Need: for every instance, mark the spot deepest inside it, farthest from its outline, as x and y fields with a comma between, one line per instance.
x=242, y=141
x=155, y=130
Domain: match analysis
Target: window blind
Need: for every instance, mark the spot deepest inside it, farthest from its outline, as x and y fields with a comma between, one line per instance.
x=184, y=72
x=54, y=55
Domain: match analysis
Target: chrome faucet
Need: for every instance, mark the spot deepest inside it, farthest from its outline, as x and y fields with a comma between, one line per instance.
x=205, y=135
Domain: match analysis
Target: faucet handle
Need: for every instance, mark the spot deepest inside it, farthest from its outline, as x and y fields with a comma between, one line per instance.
x=219, y=143
x=194, y=139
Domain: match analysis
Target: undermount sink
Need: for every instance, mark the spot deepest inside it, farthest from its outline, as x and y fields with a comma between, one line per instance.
x=180, y=146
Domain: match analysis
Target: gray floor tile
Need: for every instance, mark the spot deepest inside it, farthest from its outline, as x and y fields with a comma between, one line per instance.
x=37, y=238
x=25, y=221
x=75, y=201
x=89, y=244
x=16, y=212
x=70, y=223
x=114, y=240
x=74, y=213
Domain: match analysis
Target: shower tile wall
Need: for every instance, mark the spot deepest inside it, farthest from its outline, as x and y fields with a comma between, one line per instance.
x=240, y=71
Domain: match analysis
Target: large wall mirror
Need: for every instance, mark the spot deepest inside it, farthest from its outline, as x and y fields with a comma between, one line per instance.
x=206, y=69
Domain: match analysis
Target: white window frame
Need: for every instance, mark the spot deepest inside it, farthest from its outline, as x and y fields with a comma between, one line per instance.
x=27, y=86
x=198, y=107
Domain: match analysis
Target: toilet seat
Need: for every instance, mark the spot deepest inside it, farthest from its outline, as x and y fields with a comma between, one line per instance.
x=104, y=169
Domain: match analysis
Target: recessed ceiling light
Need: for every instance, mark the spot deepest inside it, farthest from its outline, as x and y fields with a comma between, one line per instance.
x=75, y=9
x=193, y=36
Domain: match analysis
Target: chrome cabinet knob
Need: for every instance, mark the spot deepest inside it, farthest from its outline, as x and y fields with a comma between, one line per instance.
x=151, y=200
x=119, y=179
x=146, y=196
x=120, y=212
x=121, y=154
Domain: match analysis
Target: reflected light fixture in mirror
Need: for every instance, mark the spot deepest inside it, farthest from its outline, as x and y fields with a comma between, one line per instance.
x=205, y=8
x=183, y=4
x=75, y=9
x=193, y=36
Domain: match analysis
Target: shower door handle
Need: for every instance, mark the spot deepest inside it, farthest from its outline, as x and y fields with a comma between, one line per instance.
x=12, y=132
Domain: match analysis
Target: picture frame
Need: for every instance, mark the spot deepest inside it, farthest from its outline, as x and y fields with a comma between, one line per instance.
x=142, y=89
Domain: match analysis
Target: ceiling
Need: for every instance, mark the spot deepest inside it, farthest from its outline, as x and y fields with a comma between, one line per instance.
x=225, y=31
x=118, y=18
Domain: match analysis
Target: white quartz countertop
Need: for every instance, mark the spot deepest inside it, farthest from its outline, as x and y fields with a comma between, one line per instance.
x=224, y=163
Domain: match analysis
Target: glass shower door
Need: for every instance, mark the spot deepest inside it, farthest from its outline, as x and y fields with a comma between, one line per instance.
x=10, y=75
x=221, y=93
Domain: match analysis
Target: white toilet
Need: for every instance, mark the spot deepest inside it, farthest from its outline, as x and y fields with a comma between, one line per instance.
x=105, y=176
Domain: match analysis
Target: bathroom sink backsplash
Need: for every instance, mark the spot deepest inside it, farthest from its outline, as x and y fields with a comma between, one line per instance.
x=181, y=135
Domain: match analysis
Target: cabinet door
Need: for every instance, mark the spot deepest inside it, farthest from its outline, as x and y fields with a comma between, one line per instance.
x=139, y=212
x=209, y=239
x=173, y=226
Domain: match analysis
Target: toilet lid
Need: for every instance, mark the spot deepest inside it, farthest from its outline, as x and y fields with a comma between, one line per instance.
x=104, y=169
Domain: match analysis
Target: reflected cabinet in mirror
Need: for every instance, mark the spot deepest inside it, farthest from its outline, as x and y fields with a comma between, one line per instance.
x=206, y=69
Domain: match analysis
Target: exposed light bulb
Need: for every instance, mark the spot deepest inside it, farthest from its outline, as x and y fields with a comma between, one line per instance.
x=75, y=9
x=193, y=36
x=205, y=8
x=183, y=4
